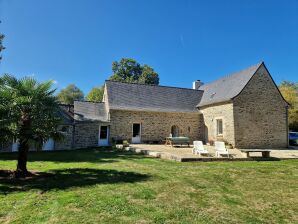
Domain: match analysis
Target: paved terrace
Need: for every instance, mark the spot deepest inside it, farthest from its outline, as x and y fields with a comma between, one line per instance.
x=184, y=153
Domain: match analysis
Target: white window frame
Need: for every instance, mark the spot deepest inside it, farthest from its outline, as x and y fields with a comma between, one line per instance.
x=217, y=126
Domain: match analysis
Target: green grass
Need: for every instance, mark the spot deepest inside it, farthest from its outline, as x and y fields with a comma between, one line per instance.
x=106, y=186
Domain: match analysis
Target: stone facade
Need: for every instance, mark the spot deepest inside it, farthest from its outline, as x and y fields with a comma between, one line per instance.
x=254, y=116
x=67, y=142
x=260, y=114
x=155, y=126
x=86, y=134
x=219, y=111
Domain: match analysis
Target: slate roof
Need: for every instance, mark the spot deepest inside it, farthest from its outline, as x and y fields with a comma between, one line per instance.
x=228, y=87
x=140, y=97
x=85, y=110
x=125, y=96
x=66, y=112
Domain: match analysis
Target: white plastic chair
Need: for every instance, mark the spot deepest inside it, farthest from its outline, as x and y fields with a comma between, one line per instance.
x=220, y=149
x=198, y=148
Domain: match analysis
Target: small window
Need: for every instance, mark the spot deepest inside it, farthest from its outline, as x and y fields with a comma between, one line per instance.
x=65, y=129
x=103, y=132
x=219, y=127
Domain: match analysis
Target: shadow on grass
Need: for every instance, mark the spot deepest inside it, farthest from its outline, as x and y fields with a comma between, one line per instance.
x=93, y=155
x=62, y=179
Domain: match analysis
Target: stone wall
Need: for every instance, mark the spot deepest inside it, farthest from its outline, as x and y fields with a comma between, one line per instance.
x=67, y=142
x=155, y=126
x=260, y=114
x=211, y=114
x=86, y=134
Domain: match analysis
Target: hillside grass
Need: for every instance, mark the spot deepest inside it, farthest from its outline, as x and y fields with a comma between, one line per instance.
x=108, y=186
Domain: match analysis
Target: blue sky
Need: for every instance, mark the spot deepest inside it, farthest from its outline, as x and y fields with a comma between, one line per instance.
x=76, y=41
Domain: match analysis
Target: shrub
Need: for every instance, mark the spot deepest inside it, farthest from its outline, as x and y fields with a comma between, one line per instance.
x=125, y=143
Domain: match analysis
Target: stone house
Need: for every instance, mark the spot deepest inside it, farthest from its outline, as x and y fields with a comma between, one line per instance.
x=244, y=109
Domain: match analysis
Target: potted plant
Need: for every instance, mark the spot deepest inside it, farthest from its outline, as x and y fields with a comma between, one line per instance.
x=211, y=142
x=125, y=143
x=228, y=145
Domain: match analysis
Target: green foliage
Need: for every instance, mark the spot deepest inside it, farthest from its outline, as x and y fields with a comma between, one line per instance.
x=95, y=94
x=125, y=143
x=128, y=70
x=27, y=101
x=289, y=90
x=70, y=94
x=149, y=76
x=1, y=44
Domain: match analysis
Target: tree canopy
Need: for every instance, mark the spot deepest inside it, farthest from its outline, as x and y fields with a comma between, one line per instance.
x=126, y=70
x=289, y=90
x=28, y=114
x=129, y=70
x=70, y=94
x=95, y=94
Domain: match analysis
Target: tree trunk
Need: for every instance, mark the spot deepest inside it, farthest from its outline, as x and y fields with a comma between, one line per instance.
x=22, y=160
x=25, y=132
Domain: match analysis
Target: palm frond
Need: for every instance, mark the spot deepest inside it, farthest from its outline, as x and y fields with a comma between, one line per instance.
x=28, y=96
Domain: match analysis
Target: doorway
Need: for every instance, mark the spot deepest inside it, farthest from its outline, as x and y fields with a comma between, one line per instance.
x=49, y=145
x=136, y=133
x=103, y=139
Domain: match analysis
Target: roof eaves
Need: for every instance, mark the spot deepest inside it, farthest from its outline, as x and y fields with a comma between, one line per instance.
x=214, y=103
x=154, y=110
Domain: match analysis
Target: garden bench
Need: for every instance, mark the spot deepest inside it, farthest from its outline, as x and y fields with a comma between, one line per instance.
x=177, y=141
x=265, y=152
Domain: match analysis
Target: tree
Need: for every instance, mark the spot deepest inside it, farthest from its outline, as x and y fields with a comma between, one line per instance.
x=95, y=94
x=28, y=113
x=149, y=76
x=70, y=94
x=289, y=90
x=1, y=44
x=128, y=70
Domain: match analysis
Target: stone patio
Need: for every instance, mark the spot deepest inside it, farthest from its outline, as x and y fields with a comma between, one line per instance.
x=184, y=153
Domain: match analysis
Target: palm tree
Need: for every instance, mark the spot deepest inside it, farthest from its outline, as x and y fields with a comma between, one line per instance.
x=28, y=113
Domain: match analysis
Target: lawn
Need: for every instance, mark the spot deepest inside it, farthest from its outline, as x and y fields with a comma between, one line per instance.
x=107, y=186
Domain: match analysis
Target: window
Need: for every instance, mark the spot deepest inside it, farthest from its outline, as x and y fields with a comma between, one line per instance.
x=175, y=131
x=103, y=132
x=219, y=127
x=65, y=129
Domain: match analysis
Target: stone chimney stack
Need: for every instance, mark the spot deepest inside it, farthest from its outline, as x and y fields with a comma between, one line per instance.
x=196, y=84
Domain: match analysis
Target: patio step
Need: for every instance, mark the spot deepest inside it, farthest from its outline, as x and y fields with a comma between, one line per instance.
x=186, y=158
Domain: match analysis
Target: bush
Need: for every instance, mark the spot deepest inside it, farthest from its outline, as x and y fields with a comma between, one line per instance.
x=125, y=143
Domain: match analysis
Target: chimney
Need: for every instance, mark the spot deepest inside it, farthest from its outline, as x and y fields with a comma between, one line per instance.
x=196, y=84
